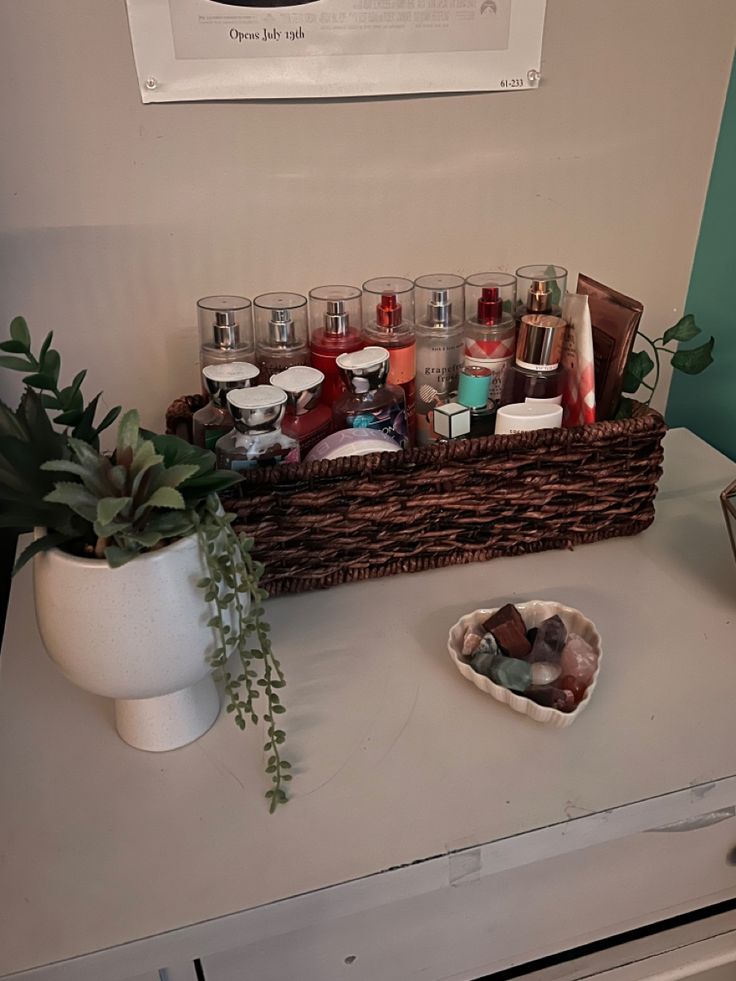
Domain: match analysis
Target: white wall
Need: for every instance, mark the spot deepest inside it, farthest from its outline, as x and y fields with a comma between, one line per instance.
x=116, y=216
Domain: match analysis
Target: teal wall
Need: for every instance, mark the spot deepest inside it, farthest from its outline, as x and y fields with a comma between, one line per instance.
x=707, y=403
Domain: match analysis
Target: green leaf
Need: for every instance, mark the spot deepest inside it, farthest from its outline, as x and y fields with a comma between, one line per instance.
x=70, y=399
x=695, y=360
x=9, y=423
x=52, y=540
x=624, y=408
x=164, y=497
x=211, y=483
x=175, y=451
x=84, y=430
x=684, y=330
x=40, y=380
x=128, y=432
x=45, y=346
x=638, y=366
x=13, y=347
x=19, y=332
x=108, y=508
x=177, y=474
x=554, y=288
x=69, y=418
x=50, y=402
x=110, y=418
x=51, y=365
x=117, y=556
x=15, y=364
x=75, y=497
x=77, y=381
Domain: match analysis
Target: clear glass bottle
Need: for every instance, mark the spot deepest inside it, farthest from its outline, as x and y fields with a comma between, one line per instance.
x=490, y=331
x=370, y=402
x=225, y=330
x=536, y=374
x=540, y=289
x=256, y=439
x=214, y=419
x=388, y=321
x=440, y=306
x=307, y=419
x=472, y=392
x=334, y=321
x=282, y=336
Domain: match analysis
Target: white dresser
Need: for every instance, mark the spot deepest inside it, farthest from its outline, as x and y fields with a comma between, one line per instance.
x=433, y=834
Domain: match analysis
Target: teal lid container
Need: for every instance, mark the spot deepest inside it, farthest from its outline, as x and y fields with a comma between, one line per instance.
x=474, y=387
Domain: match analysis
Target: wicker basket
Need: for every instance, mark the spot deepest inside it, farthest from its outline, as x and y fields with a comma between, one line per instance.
x=335, y=521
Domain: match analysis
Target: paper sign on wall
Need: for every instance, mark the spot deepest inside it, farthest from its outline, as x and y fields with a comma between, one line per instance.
x=265, y=49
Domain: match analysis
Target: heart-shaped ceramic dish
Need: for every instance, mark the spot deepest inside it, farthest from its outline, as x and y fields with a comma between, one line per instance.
x=533, y=613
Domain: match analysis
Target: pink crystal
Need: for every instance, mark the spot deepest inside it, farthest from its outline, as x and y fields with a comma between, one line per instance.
x=578, y=659
x=471, y=644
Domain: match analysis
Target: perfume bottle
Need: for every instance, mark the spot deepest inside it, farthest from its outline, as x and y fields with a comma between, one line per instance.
x=536, y=374
x=256, y=439
x=307, y=419
x=370, y=401
x=440, y=304
x=540, y=290
x=490, y=333
x=388, y=313
x=472, y=392
x=214, y=420
x=225, y=330
x=334, y=318
x=282, y=338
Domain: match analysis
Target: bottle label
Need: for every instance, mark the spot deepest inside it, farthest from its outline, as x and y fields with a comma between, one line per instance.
x=264, y=461
x=490, y=350
x=438, y=368
x=402, y=365
x=497, y=368
x=390, y=420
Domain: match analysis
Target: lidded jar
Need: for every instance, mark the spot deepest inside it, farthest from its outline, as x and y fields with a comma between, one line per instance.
x=536, y=374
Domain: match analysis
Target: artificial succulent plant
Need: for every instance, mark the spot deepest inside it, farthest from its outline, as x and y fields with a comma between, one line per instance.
x=150, y=491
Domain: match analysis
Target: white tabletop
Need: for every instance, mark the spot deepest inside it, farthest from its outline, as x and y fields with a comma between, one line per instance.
x=396, y=756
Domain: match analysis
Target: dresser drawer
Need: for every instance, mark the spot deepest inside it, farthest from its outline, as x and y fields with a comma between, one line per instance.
x=486, y=911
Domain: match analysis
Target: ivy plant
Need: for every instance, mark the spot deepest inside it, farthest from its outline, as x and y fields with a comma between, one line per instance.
x=640, y=364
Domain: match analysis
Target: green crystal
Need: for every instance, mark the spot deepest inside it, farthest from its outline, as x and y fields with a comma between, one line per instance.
x=511, y=673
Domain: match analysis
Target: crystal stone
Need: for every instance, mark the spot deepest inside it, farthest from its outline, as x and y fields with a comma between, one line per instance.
x=549, y=641
x=509, y=630
x=511, y=673
x=578, y=659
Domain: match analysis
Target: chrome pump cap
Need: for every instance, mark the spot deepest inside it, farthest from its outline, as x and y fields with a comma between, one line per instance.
x=219, y=379
x=303, y=387
x=258, y=408
x=366, y=370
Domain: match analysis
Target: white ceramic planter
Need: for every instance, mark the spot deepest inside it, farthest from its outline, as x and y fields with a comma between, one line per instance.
x=137, y=634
